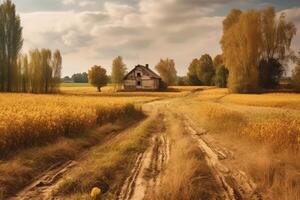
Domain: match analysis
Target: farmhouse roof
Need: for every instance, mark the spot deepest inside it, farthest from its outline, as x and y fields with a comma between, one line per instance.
x=146, y=68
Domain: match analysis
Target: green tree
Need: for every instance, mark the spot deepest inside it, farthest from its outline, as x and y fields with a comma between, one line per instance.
x=11, y=42
x=80, y=78
x=221, y=76
x=182, y=80
x=118, y=72
x=167, y=71
x=205, y=71
x=221, y=72
x=270, y=73
x=97, y=77
x=218, y=60
x=192, y=73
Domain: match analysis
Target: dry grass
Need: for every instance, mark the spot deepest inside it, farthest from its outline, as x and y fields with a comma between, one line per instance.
x=277, y=176
x=25, y=166
x=281, y=134
x=186, y=175
x=107, y=166
x=283, y=100
x=30, y=120
x=108, y=91
x=270, y=123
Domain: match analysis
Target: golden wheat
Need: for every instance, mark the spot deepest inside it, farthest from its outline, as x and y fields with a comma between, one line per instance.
x=27, y=120
x=284, y=100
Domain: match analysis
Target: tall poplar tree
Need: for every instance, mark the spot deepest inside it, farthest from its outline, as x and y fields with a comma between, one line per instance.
x=118, y=72
x=11, y=42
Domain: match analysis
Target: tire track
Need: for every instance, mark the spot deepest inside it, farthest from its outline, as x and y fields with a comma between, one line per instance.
x=146, y=173
x=235, y=183
x=44, y=185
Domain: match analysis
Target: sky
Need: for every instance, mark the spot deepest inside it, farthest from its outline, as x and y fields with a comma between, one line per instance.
x=94, y=32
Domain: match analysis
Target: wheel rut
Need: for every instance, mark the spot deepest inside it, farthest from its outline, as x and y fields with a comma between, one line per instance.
x=235, y=183
x=42, y=188
x=146, y=173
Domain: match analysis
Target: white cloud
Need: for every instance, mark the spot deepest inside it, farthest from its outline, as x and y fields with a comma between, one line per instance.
x=69, y=2
x=179, y=29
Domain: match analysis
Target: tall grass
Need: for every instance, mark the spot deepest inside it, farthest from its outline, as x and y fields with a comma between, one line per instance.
x=186, y=175
x=284, y=100
x=108, y=165
x=281, y=134
x=30, y=120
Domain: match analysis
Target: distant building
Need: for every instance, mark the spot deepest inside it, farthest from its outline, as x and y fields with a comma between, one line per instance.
x=142, y=78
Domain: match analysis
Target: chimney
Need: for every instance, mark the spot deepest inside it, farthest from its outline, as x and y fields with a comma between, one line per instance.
x=147, y=66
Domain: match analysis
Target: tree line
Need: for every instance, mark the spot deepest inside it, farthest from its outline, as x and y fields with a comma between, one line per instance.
x=38, y=71
x=255, y=54
x=98, y=77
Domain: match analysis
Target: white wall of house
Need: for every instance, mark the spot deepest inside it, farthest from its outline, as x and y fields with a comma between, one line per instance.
x=139, y=80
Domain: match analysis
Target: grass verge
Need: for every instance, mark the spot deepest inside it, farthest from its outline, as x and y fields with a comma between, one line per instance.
x=23, y=167
x=186, y=175
x=107, y=166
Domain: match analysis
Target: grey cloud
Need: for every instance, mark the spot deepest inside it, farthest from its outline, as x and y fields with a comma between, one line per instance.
x=94, y=17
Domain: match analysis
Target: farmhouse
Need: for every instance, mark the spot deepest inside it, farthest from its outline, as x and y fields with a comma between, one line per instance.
x=141, y=78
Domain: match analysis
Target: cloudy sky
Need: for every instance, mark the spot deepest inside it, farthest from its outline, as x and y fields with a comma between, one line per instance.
x=92, y=32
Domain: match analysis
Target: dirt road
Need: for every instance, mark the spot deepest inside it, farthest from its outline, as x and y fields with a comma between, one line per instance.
x=148, y=167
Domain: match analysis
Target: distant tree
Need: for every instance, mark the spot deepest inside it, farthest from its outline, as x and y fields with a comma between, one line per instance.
x=222, y=72
x=218, y=61
x=97, y=77
x=167, y=71
x=296, y=74
x=206, y=72
x=182, y=80
x=66, y=79
x=80, y=78
x=11, y=43
x=221, y=76
x=192, y=73
x=118, y=72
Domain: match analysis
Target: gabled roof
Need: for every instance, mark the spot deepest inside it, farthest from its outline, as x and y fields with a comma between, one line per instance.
x=152, y=73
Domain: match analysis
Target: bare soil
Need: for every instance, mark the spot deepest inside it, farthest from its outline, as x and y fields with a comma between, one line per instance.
x=147, y=169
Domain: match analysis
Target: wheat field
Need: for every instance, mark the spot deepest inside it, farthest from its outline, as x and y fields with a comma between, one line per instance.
x=271, y=119
x=29, y=120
